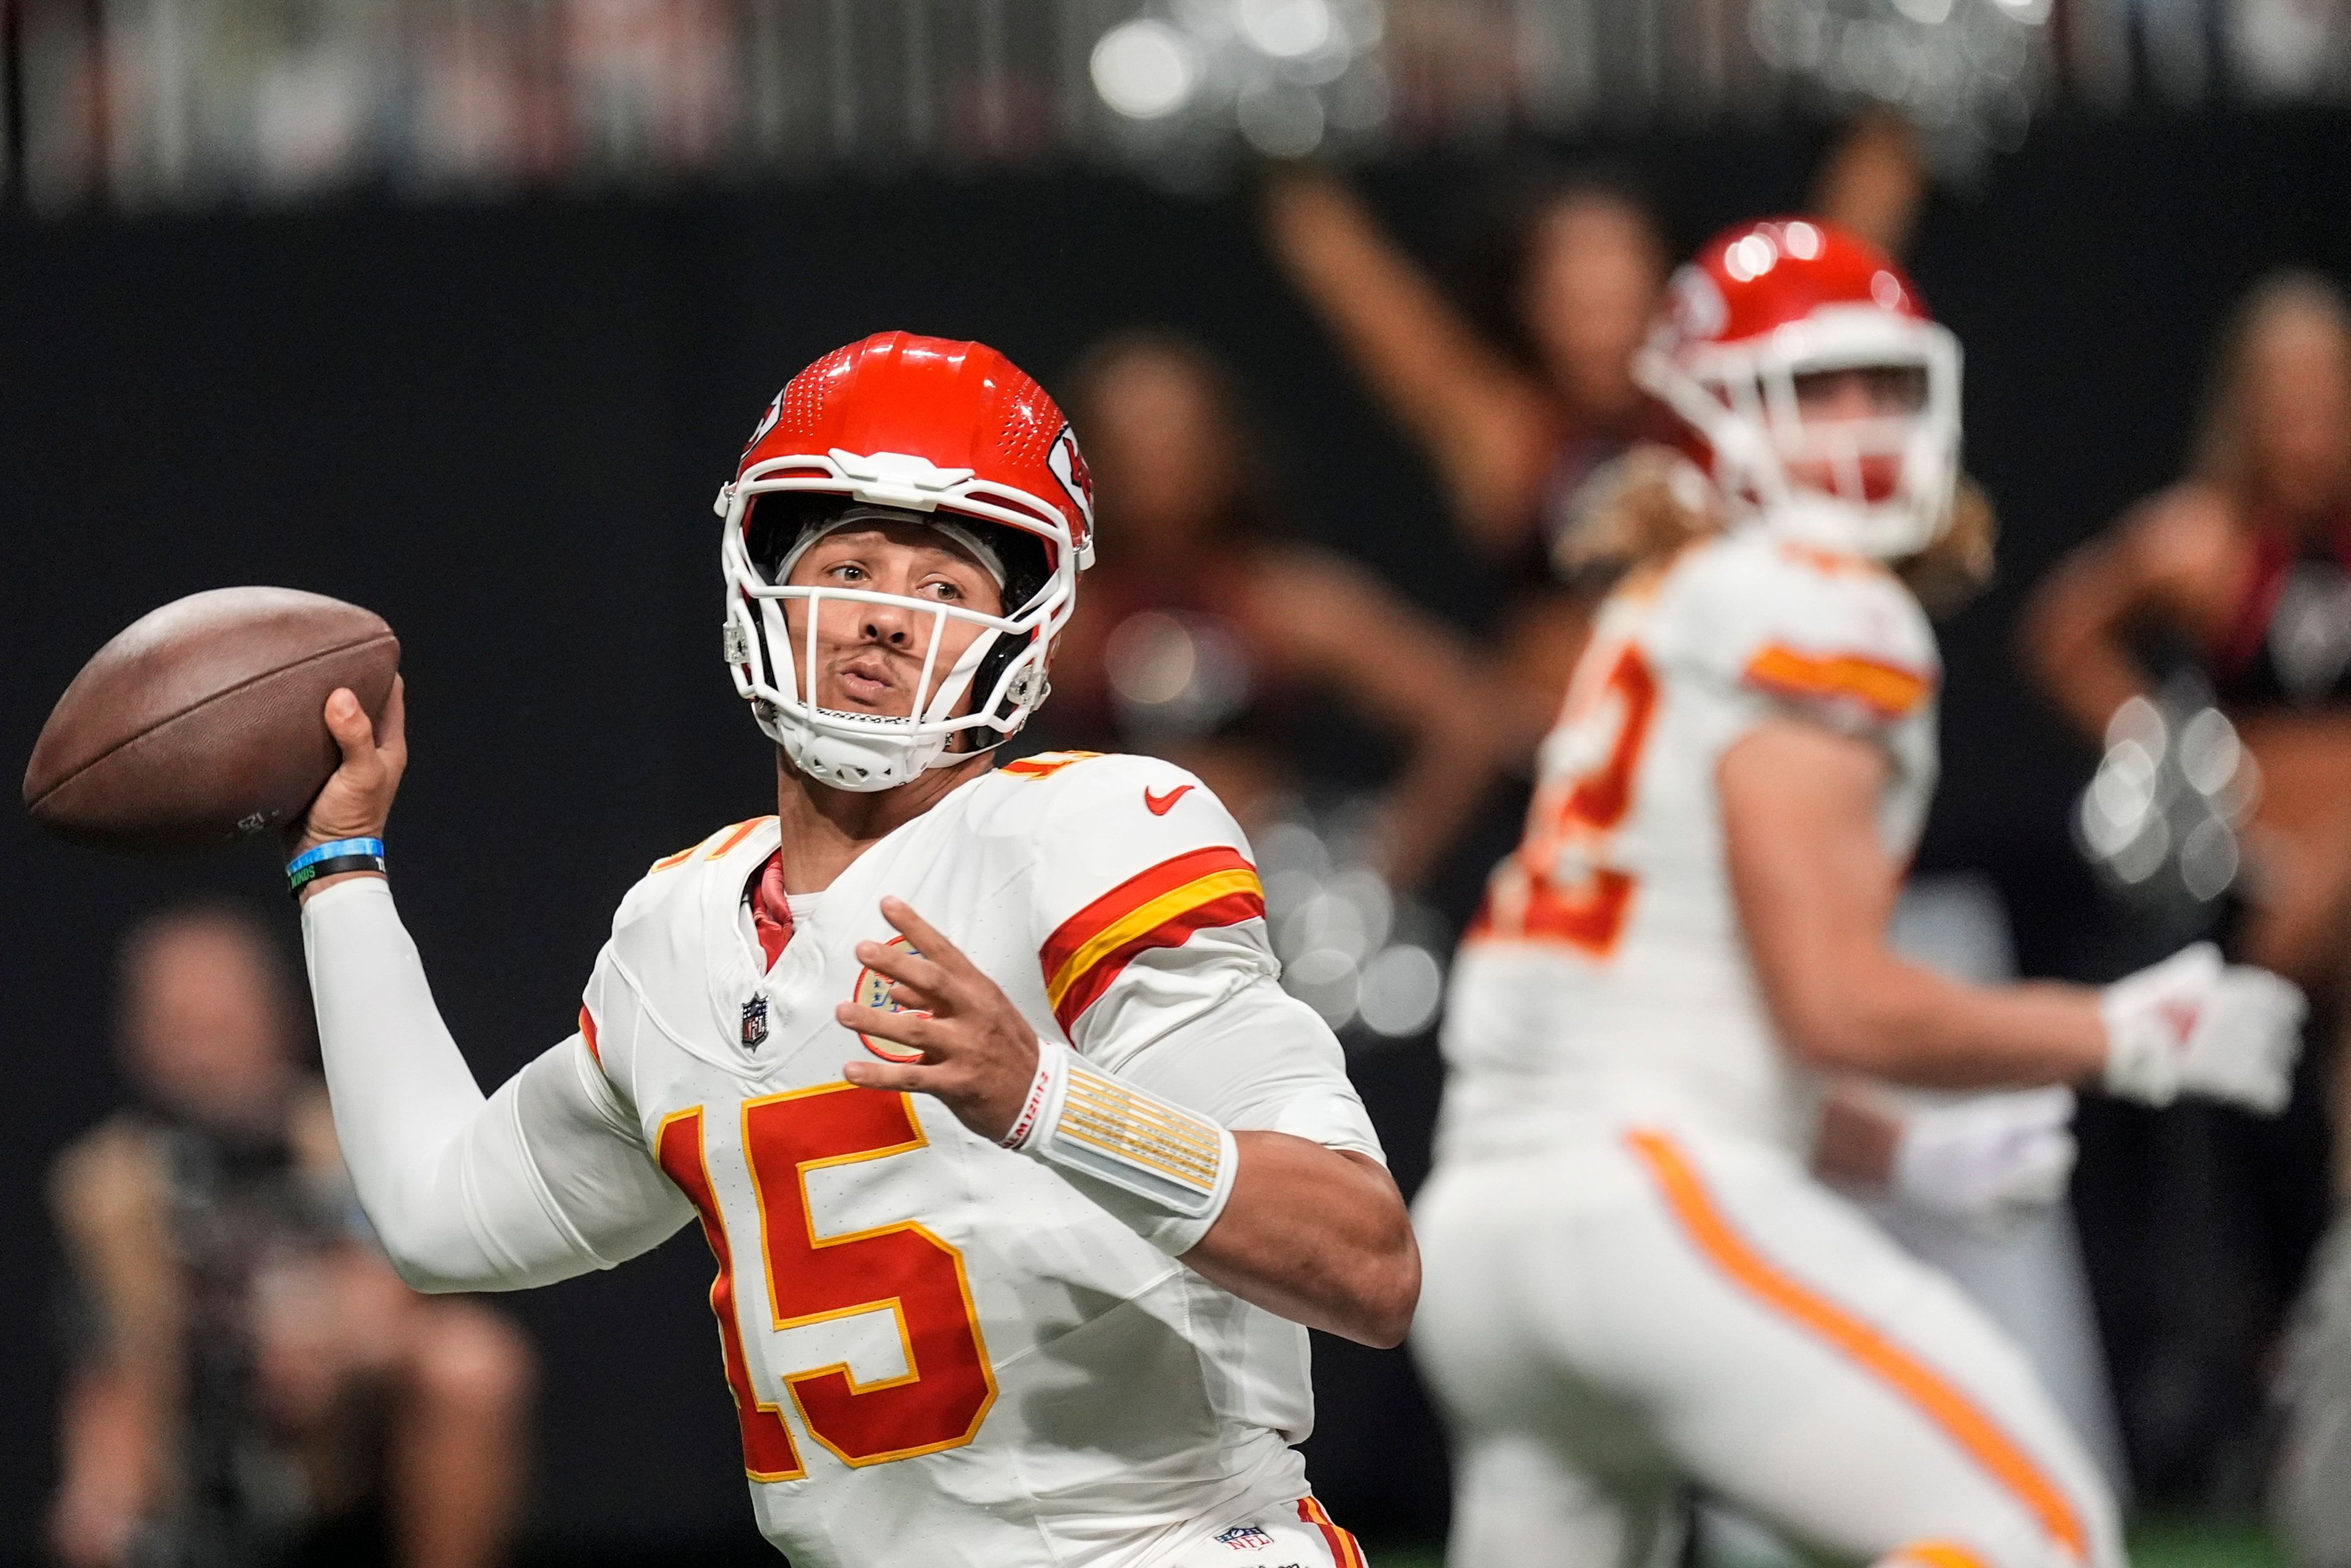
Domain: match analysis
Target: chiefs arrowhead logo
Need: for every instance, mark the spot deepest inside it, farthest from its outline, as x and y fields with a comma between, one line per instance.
x=1068, y=465
x=2180, y=1016
x=1160, y=805
x=766, y=422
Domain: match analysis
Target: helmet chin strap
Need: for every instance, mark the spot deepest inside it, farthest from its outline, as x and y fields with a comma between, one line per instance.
x=1812, y=517
x=1885, y=531
x=862, y=764
x=867, y=763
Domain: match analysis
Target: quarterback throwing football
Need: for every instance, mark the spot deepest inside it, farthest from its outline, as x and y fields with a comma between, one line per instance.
x=1024, y=1282
x=1637, y=1287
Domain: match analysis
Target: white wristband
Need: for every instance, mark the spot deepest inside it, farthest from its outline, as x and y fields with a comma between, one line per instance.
x=1163, y=1172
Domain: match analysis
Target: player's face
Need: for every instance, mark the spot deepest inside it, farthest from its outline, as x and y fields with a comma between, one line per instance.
x=1860, y=403
x=869, y=656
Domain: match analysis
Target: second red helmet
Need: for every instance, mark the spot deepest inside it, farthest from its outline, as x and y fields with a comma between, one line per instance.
x=1761, y=317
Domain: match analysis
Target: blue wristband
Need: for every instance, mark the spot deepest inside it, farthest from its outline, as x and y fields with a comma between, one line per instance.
x=310, y=857
x=333, y=860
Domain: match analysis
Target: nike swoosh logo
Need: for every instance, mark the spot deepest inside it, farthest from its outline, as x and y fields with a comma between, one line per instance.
x=1159, y=805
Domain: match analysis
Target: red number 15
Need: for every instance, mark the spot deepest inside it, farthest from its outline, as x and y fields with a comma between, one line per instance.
x=946, y=1391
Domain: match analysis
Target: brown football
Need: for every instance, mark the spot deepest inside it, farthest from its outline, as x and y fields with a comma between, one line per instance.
x=204, y=721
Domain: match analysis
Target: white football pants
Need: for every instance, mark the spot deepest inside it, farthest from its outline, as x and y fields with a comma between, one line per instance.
x=1611, y=1323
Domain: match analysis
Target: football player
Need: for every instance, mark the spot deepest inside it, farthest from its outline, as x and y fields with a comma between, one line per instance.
x=1023, y=1175
x=1637, y=1289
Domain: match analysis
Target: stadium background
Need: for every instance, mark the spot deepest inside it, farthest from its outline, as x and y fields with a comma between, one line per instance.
x=500, y=421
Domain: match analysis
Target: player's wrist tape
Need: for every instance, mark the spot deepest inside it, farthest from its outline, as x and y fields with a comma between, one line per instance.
x=1092, y=1123
x=333, y=860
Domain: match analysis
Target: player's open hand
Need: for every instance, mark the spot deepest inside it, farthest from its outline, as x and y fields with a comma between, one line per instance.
x=979, y=1053
x=358, y=798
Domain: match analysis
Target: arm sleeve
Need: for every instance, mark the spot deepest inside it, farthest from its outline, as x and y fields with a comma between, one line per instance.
x=545, y=1179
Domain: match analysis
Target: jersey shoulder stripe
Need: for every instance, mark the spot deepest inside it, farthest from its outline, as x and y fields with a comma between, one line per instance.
x=1887, y=690
x=1159, y=907
x=1045, y=763
x=717, y=843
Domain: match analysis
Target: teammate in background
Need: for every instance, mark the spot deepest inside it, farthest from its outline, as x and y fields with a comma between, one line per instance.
x=1519, y=411
x=2246, y=565
x=1635, y=1286
x=1025, y=1279
x=1205, y=637
x=253, y=1387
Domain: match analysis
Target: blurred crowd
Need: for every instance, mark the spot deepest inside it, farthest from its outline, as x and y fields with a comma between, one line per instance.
x=178, y=104
x=273, y=1394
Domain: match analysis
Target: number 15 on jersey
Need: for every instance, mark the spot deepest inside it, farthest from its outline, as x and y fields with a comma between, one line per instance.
x=944, y=1393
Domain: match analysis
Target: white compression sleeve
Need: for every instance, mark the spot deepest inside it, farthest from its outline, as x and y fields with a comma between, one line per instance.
x=543, y=1180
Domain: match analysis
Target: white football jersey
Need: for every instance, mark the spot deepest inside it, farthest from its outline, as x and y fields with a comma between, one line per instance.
x=1605, y=975
x=940, y=1352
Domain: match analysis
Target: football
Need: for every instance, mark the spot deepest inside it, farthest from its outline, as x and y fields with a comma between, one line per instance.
x=203, y=722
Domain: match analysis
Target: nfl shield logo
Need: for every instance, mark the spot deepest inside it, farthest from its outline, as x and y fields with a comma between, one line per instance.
x=1244, y=1538
x=755, y=1023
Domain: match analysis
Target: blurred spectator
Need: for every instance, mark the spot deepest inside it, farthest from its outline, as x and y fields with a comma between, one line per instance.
x=2248, y=560
x=250, y=1384
x=1513, y=429
x=2242, y=572
x=1205, y=635
x=1874, y=181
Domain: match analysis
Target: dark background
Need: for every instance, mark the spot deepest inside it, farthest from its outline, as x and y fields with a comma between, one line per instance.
x=500, y=426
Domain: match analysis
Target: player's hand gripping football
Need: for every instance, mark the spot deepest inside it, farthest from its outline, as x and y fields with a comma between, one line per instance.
x=358, y=798
x=979, y=1054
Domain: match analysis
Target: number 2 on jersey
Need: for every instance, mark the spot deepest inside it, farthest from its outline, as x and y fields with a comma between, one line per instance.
x=1555, y=888
x=946, y=1391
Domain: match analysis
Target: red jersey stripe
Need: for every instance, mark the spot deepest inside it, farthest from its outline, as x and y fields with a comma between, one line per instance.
x=1158, y=907
x=1087, y=987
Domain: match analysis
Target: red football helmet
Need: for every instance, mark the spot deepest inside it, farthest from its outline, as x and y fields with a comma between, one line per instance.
x=1769, y=304
x=897, y=424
